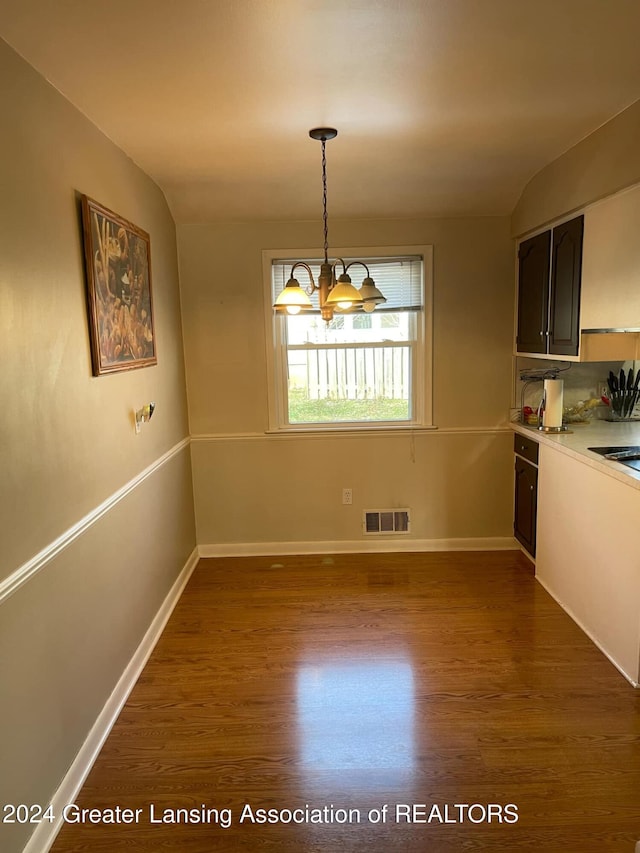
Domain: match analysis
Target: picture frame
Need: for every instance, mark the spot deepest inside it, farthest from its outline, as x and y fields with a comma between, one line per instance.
x=119, y=293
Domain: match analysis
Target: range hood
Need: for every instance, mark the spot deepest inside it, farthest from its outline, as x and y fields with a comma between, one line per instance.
x=610, y=344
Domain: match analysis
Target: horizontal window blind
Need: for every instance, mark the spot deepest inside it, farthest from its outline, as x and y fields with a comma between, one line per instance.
x=399, y=280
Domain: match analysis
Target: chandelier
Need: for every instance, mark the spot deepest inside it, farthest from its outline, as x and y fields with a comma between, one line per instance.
x=335, y=294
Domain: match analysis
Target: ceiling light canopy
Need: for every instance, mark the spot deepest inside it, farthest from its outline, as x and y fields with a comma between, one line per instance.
x=335, y=294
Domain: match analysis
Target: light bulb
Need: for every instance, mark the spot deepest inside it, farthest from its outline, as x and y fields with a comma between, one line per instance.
x=369, y=307
x=293, y=309
x=345, y=305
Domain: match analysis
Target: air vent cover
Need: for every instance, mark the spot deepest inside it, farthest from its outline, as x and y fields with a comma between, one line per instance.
x=386, y=521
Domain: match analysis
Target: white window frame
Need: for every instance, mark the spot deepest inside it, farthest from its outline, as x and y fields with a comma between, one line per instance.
x=276, y=360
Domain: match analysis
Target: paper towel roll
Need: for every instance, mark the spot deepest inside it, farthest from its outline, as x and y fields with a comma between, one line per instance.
x=552, y=415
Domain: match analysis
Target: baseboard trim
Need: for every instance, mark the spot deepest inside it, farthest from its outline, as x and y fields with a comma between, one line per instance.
x=589, y=634
x=45, y=833
x=357, y=546
x=25, y=572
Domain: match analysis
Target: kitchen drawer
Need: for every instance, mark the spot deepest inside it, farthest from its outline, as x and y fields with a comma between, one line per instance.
x=526, y=447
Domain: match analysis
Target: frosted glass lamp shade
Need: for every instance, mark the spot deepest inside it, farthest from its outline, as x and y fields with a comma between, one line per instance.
x=343, y=294
x=370, y=295
x=292, y=299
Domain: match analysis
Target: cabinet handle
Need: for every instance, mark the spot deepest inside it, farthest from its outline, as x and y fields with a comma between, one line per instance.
x=530, y=488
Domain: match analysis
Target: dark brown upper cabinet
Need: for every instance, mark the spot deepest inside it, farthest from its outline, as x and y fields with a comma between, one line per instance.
x=549, y=271
x=534, y=259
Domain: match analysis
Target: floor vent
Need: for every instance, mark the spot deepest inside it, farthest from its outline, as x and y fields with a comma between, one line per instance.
x=386, y=521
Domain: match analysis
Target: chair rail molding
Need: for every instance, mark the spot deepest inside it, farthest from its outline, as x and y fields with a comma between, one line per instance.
x=28, y=570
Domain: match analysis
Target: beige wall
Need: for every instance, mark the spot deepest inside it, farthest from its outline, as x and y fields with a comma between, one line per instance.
x=266, y=490
x=67, y=441
x=607, y=161
x=243, y=479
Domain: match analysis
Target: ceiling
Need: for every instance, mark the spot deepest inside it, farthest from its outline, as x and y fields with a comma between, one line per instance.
x=443, y=107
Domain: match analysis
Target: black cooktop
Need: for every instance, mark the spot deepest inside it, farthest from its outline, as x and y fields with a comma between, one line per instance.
x=630, y=463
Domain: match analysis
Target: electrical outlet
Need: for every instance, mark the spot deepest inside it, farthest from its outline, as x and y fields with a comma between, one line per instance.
x=347, y=497
x=603, y=388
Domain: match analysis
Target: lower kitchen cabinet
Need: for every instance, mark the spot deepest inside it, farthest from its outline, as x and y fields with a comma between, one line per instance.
x=526, y=492
x=526, y=505
x=587, y=553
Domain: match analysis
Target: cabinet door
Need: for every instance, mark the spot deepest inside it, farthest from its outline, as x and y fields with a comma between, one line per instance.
x=533, y=293
x=610, y=296
x=566, y=268
x=526, y=503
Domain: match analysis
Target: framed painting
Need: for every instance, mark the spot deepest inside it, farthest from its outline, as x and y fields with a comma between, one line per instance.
x=118, y=262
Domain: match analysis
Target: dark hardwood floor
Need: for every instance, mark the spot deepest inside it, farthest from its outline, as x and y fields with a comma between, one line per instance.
x=354, y=682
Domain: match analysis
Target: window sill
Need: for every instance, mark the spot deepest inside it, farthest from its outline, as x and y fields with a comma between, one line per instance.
x=351, y=429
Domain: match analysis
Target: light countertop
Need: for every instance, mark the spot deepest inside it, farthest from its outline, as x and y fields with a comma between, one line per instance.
x=597, y=433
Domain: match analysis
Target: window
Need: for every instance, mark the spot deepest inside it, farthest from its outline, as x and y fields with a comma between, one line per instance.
x=359, y=369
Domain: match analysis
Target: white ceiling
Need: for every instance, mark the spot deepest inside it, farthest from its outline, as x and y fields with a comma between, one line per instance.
x=444, y=107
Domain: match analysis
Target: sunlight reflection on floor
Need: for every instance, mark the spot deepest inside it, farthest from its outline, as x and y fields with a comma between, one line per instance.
x=356, y=715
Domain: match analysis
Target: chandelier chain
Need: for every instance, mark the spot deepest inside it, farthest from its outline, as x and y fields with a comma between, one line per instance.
x=324, y=200
x=334, y=291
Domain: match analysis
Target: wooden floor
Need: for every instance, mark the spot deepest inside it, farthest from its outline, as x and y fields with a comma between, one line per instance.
x=351, y=683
